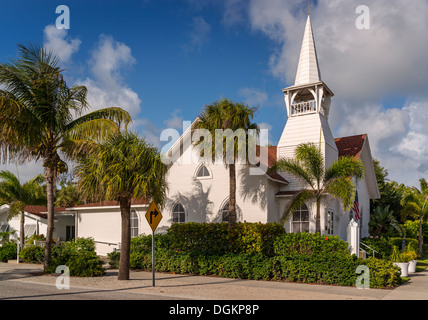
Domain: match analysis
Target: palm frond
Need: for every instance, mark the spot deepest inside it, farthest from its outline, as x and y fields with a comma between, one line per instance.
x=295, y=203
x=117, y=115
x=345, y=167
x=343, y=189
x=296, y=168
x=311, y=158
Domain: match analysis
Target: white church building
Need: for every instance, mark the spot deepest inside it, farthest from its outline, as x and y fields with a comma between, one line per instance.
x=198, y=192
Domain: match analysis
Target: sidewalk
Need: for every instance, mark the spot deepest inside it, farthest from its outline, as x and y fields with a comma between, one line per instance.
x=216, y=288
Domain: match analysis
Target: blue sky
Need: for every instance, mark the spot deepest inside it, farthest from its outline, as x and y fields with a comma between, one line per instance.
x=177, y=67
x=163, y=60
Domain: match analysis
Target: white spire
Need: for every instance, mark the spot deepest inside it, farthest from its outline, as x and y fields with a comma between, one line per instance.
x=308, y=70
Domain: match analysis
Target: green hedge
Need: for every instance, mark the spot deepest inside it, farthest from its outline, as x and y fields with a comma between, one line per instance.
x=217, y=238
x=308, y=243
x=384, y=245
x=265, y=252
x=32, y=254
x=323, y=268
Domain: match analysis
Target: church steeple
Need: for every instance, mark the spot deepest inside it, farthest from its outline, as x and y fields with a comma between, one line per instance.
x=308, y=69
x=308, y=105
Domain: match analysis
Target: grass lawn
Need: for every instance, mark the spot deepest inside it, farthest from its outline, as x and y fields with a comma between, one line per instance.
x=423, y=261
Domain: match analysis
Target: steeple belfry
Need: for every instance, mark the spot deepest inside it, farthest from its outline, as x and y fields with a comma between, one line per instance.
x=308, y=105
x=308, y=69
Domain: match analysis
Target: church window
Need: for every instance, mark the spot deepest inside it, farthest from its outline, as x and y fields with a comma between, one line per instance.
x=225, y=212
x=329, y=227
x=203, y=172
x=301, y=219
x=134, y=224
x=178, y=213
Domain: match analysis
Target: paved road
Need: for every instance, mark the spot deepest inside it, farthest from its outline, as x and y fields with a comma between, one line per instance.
x=27, y=282
x=20, y=290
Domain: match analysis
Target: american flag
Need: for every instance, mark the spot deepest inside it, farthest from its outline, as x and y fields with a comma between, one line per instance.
x=356, y=208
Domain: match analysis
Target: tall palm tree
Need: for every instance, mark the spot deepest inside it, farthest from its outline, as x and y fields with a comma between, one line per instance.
x=41, y=119
x=415, y=203
x=123, y=168
x=237, y=118
x=18, y=196
x=308, y=164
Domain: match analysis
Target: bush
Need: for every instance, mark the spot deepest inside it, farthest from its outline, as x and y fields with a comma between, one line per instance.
x=380, y=244
x=217, y=238
x=336, y=269
x=398, y=242
x=8, y=251
x=32, y=254
x=291, y=244
x=255, y=251
x=79, y=256
x=35, y=237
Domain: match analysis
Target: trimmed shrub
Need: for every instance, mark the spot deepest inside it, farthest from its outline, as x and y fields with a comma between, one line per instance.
x=335, y=269
x=290, y=244
x=255, y=251
x=32, y=254
x=217, y=238
x=79, y=256
x=380, y=244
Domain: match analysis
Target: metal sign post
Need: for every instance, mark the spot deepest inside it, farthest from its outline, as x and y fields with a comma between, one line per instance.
x=153, y=257
x=153, y=216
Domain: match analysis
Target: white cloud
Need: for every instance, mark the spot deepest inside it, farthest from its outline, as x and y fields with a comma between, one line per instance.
x=362, y=67
x=199, y=35
x=398, y=138
x=175, y=121
x=26, y=171
x=106, y=87
x=60, y=43
x=253, y=96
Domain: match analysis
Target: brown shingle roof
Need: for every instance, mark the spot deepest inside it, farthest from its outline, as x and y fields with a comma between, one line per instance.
x=109, y=203
x=40, y=211
x=271, y=161
x=350, y=146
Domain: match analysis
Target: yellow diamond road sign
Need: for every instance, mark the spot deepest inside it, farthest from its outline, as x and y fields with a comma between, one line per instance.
x=153, y=216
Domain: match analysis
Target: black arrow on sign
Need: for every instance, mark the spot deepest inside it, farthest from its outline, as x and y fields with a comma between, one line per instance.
x=153, y=213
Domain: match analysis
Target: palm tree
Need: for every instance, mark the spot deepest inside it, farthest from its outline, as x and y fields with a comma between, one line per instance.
x=18, y=196
x=237, y=118
x=415, y=203
x=123, y=168
x=41, y=117
x=308, y=165
x=382, y=221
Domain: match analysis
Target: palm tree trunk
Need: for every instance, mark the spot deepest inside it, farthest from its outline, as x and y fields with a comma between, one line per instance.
x=421, y=237
x=21, y=231
x=318, y=217
x=125, y=248
x=232, y=195
x=50, y=177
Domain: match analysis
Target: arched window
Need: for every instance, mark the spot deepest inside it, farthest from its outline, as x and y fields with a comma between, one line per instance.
x=301, y=219
x=225, y=212
x=178, y=213
x=134, y=224
x=203, y=172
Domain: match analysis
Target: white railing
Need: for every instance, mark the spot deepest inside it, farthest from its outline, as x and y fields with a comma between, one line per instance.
x=370, y=248
x=303, y=107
